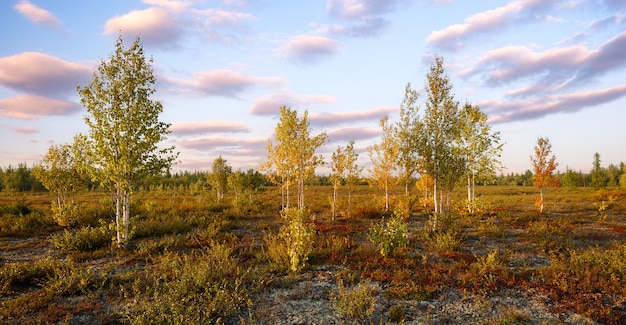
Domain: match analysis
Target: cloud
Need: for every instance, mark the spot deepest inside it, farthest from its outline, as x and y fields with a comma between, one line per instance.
x=205, y=127
x=534, y=108
x=454, y=37
x=235, y=146
x=172, y=5
x=224, y=83
x=41, y=73
x=38, y=15
x=155, y=26
x=366, y=15
x=359, y=9
x=32, y=107
x=270, y=105
x=334, y=118
x=25, y=130
x=309, y=48
x=552, y=70
x=224, y=18
x=352, y=133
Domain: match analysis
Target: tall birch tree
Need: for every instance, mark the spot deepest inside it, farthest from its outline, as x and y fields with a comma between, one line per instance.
x=406, y=132
x=124, y=127
x=384, y=156
x=481, y=149
x=292, y=159
x=438, y=139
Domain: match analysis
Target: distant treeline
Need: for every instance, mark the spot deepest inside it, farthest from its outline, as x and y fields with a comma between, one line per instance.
x=20, y=179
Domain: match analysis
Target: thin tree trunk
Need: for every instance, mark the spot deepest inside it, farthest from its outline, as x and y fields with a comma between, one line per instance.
x=126, y=216
x=118, y=217
x=334, y=200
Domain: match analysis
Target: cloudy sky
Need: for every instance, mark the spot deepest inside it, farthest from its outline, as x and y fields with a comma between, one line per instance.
x=538, y=68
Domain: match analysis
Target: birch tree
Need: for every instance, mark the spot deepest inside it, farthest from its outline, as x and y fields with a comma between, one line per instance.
x=481, y=149
x=124, y=127
x=544, y=167
x=337, y=175
x=353, y=172
x=384, y=158
x=219, y=177
x=438, y=139
x=61, y=173
x=292, y=157
x=406, y=132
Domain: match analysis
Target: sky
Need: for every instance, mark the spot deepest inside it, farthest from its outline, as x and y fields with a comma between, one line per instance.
x=537, y=68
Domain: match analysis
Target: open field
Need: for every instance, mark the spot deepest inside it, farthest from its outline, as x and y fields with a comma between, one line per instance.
x=194, y=260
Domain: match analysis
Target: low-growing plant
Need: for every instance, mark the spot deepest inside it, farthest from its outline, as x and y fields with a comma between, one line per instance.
x=298, y=235
x=197, y=288
x=446, y=241
x=356, y=302
x=390, y=235
x=84, y=239
x=26, y=274
x=12, y=224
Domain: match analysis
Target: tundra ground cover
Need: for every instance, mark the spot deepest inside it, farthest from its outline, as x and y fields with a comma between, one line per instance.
x=194, y=260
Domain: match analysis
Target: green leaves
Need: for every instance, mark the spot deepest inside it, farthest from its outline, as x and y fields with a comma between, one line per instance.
x=124, y=126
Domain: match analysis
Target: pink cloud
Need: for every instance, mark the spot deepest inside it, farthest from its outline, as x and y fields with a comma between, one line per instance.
x=224, y=18
x=334, y=118
x=552, y=70
x=172, y=5
x=234, y=145
x=358, y=9
x=270, y=105
x=224, y=82
x=32, y=107
x=41, y=73
x=309, y=48
x=453, y=37
x=25, y=130
x=533, y=108
x=37, y=15
x=352, y=133
x=154, y=26
x=204, y=127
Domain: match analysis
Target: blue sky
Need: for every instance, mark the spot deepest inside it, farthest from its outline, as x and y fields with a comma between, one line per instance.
x=538, y=68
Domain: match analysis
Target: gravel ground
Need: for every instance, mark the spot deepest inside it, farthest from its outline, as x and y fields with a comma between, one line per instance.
x=306, y=301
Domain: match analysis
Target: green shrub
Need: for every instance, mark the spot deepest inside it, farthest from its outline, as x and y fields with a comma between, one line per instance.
x=298, y=235
x=390, y=235
x=190, y=289
x=276, y=252
x=355, y=303
x=84, y=239
x=26, y=274
x=18, y=224
x=447, y=241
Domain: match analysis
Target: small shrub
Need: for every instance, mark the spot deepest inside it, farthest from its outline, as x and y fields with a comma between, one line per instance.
x=68, y=215
x=190, y=289
x=276, y=252
x=390, y=235
x=83, y=239
x=298, y=236
x=26, y=274
x=396, y=314
x=447, y=241
x=491, y=228
x=356, y=302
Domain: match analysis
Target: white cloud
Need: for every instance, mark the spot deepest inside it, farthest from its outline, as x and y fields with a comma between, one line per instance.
x=155, y=26
x=309, y=48
x=38, y=15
